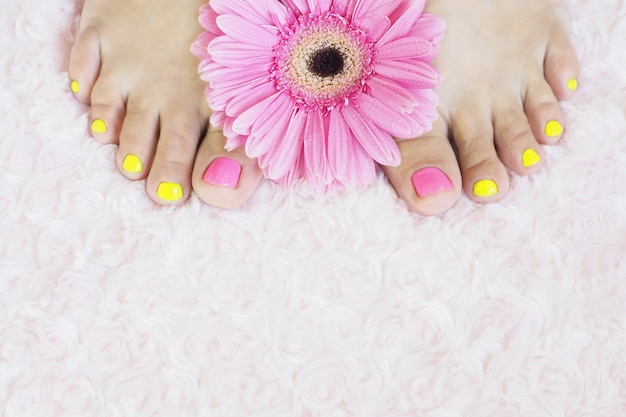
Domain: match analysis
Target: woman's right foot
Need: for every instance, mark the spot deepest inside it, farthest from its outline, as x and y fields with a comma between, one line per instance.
x=505, y=65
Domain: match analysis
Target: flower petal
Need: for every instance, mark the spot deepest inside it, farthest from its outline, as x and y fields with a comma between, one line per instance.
x=242, y=30
x=228, y=52
x=383, y=116
x=410, y=47
x=412, y=73
x=243, y=102
x=316, y=168
x=268, y=129
x=340, y=139
x=403, y=25
x=377, y=143
x=247, y=109
x=386, y=89
x=283, y=157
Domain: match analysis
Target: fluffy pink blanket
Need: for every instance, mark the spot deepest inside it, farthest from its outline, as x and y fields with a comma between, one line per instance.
x=342, y=305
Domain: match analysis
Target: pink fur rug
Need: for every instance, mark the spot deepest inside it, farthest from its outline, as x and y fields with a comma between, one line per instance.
x=343, y=305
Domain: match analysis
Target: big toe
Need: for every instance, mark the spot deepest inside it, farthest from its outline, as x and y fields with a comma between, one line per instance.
x=221, y=178
x=428, y=178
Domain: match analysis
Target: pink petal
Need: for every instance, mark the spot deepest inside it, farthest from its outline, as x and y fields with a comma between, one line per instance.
x=385, y=89
x=283, y=157
x=404, y=48
x=219, y=98
x=242, y=102
x=374, y=10
x=225, y=77
x=383, y=116
x=362, y=166
x=249, y=108
x=297, y=6
x=316, y=168
x=228, y=52
x=339, y=144
x=242, y=30
x=430, y=27
x=268, y=129
x=241, y=8
x=412, y=73
x=377, y=143
x=403, y=25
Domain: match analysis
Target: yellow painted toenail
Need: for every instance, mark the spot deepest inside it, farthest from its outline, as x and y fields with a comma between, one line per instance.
x=98, y=126
x=530, y=157
x=132, y=164
x=485, y=188
x=75, y=87
x=572, y=84
x=170, y=191
x=554, y=129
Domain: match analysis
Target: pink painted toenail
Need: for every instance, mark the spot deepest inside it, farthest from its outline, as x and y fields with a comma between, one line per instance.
x=430, y=180
x=224, y=172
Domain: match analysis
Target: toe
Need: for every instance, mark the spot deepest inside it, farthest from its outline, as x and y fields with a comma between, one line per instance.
x=561, y=66
x=543, y=112
x=84, y=65
x=169, y=179
x=485, y=178
x=428, y=178
x=138, y=138
x=107, y=108
x=221, y=178
x=515, y=142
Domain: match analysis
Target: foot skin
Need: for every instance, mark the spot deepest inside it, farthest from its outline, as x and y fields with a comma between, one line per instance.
x=136, y=71
x=505, y=66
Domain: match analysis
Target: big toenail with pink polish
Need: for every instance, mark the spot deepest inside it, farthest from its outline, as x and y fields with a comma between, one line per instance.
x=430, y=180
x=224, y=172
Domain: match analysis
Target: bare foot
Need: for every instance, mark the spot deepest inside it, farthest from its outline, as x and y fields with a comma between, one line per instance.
x=505, y=65
x=132, y=63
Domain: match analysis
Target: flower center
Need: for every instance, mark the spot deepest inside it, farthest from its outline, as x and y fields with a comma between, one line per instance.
x=322, y=61
x=326, y=62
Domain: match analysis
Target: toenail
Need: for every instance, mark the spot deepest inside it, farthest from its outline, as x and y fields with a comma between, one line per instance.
x=430, y=180
x=170, y=191
x=485, y=188
x=132, y=164
x=224, y=172
x=530, y=157
x=554, y=129
x=74, y=86
x=99, y=126
x=572, y=84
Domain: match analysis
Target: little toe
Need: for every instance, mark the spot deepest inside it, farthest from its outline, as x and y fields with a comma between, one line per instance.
x=485, y=178
x=561, y=66
x=84, y=65
x=515, y=142
x=544, y=113
x=428, y=178
x=221, y=178
x=169, y=179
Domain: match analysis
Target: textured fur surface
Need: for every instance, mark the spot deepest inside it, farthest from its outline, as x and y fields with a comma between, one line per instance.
x=341, y=305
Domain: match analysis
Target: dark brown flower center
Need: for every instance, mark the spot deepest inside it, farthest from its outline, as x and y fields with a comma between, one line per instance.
x=326, y=62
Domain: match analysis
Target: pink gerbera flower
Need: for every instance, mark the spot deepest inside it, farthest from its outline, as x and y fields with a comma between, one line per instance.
x=319, y=89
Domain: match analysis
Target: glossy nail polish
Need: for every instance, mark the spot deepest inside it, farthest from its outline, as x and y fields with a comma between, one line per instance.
x=170, y=191
x=430, y=180
x=74, y=86
x=485, y=188
x=132, y=164
x=224, y=172
x=572, y=84
x=530, y=157
x=98, y=126
x=554, y=129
